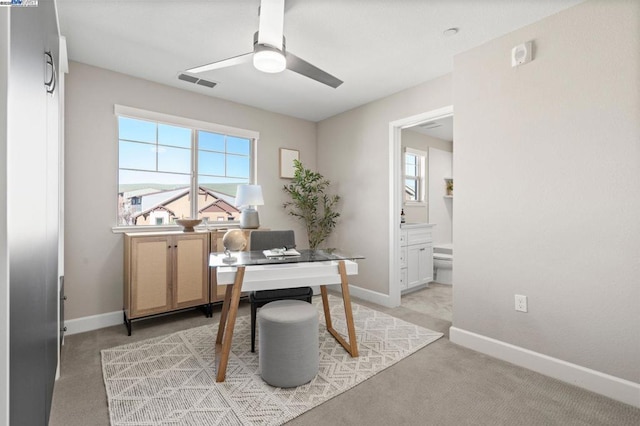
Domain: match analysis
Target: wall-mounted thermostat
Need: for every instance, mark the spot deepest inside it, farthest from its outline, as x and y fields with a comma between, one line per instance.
x=521, y=54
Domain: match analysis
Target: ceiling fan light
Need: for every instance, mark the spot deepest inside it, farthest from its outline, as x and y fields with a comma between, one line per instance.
x=270, y=61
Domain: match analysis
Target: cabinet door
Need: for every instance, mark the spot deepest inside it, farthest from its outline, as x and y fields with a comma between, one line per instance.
x=150, y=276
x=217, y=292
x=425, y=270
x=419, y=264
x=190, y=272
x=413, y=260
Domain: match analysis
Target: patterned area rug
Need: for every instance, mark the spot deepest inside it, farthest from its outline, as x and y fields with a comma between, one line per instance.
x=170, y=380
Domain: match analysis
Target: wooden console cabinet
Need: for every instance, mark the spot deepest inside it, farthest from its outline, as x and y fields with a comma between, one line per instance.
x=168, y=271
x=164, y=272
x=217, y=292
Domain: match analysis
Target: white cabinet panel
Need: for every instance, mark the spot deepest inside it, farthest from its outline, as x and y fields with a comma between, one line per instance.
x=403, y=257
x=416, y=256
x=403, y=279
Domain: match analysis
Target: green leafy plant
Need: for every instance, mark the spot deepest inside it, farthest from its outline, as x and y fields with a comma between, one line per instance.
x=449, y=187
x=311, y=203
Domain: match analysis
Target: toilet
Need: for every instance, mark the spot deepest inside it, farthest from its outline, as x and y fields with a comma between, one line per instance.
x=443, y=263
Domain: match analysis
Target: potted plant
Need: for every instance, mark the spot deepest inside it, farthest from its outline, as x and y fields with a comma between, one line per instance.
x=311, y=203
x=450, y=187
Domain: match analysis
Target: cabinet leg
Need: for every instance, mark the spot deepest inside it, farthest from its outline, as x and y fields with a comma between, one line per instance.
x=205, y=309
x=127, y=323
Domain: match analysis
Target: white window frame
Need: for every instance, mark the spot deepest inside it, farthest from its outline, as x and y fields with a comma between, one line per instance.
x=420, y=178
x=173, y=120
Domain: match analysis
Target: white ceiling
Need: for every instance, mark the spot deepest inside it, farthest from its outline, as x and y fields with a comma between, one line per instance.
x=440, y=129
x=377, y=47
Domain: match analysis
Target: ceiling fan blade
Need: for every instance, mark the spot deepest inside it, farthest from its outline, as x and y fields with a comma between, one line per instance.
x=271, y=25
x=236, y=60
x=303, y=67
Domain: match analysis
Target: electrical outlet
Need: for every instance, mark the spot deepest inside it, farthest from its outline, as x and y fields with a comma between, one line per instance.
x=521, y=303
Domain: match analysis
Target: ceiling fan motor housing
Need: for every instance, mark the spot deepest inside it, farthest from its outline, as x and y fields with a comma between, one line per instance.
x=268, y=58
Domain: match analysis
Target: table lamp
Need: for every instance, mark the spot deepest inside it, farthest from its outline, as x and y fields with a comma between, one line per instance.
x=247, y=197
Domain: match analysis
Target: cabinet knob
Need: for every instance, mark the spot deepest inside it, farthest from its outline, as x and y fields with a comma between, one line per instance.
x=422, y=249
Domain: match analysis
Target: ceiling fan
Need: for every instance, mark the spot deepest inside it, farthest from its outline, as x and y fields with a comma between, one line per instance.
x=269, y=52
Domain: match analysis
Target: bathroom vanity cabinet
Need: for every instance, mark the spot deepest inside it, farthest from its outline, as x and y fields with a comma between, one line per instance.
x=416, y=256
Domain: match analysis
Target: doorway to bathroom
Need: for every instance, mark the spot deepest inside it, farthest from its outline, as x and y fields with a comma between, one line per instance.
x=421, y=181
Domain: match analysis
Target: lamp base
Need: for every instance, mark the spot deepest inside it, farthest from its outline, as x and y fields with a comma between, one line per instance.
x=249, y=219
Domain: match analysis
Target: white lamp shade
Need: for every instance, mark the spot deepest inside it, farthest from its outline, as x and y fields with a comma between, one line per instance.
x=249, y=195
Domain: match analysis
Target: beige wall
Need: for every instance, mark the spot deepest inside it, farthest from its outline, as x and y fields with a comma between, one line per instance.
x=93, y=253
x=547, y=168
x=353, y=151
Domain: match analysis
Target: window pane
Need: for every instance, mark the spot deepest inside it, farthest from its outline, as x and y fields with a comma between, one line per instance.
x=137, y=156
x=210, y=163
x=411, y=165
x=410, y=189
x=176, y=160
x=133, y=180
x=156, y=166
x=238, y=145
x=136, y=130
x=210, y=141
x=146, y=197
x=216, y=198
x=174, y=135
x=238, y=166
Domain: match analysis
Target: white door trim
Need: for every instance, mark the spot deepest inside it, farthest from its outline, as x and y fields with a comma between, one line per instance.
x=395, y=191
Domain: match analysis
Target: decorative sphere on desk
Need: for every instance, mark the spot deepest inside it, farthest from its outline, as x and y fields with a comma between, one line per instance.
x=234, y=240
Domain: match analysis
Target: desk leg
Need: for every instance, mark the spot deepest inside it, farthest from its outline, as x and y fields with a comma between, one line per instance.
x=227, y=322
x=225, y=311
x=352, y=345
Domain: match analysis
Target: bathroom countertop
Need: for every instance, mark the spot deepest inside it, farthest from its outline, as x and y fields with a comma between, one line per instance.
x=416, y=225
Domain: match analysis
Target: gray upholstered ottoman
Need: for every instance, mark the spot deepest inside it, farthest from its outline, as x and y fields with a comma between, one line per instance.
x=288, y=348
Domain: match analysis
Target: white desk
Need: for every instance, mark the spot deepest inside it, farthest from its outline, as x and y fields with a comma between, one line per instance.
x=253, y=271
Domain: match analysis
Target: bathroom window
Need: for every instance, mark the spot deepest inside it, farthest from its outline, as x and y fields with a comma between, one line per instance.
x=414, y=176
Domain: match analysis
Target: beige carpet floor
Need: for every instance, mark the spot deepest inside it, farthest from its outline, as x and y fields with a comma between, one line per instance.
x=442, y=384
x=171, y=379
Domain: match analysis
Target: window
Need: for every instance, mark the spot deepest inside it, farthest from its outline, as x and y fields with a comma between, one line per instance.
x=414, y=176
x=171, y=167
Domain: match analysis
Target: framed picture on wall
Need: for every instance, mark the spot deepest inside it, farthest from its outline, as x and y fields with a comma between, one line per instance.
x=287, y=156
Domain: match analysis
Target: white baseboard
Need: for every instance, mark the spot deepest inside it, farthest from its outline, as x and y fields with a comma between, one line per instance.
x=93, y=322
x=592, y=380
x=371, y=296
